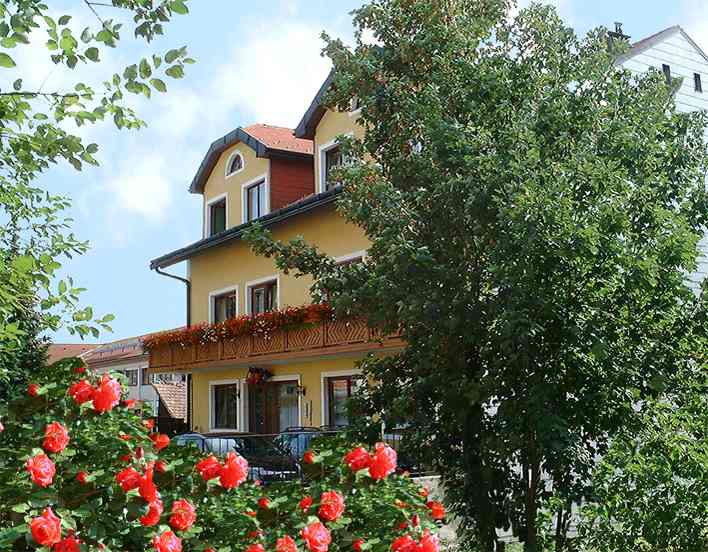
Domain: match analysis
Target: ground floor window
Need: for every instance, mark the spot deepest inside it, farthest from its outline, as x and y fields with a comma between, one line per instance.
x=339, y=390
x=224, y=404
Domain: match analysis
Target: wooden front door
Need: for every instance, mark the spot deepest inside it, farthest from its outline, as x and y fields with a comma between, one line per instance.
x=273, y=407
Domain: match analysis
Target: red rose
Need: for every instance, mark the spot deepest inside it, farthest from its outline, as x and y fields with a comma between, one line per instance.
x=305, y=504
x=41, y=469
x=167, y=542
x=69, y=544
x=128, y=479
x=404, y=544
x=79, y=369
x=209, y=550
x=183, y=515
x=159, y=440
x=149, y=423
x=356, y=545
x=124, y=437
x=317, y=537
x=255, y=548
x=263, y=503
x=129, y=403
x=234, y=471
x=81, y=392
x=154, y=512
x=33, y=389
x=250, y=513
x=358, y=459
x=147, y=488
x=437, y=510
x=107, y=395
x=56, y=437
x=160, y=466
x=209, y=468
x=331, y=506
x=415, y=520
x=255, y=534
x=424, y=492
x=383, y=462
x=308, y=457
x=285, y=544
x=46, y=529
x=139, y=453
x=429, y=542
x=81, y=477
x=127, y=458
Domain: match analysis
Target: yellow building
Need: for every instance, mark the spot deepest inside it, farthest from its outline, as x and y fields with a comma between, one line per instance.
x=280, y=178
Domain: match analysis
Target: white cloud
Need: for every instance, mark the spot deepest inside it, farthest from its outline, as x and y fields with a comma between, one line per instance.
x=142, y=187
x=273, y=73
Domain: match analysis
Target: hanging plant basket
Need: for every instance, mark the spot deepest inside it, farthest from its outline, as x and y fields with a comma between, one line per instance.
x=257, y=376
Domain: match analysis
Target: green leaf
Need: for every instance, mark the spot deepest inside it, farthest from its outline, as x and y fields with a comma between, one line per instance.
x=92, y=54
x=158, y=85
x=6, y=61
x=145, y=69
x=64, y=19
x=172, y=55
x=178, y=6
x=176, y=72
x=17, y=85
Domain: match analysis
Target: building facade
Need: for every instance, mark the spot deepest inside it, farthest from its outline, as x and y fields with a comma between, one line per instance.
x=281, y=178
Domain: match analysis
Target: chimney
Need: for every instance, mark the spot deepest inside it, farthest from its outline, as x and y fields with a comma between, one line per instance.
x=616, y=37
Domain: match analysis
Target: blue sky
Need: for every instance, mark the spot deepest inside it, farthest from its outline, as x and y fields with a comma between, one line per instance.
x=257, y=62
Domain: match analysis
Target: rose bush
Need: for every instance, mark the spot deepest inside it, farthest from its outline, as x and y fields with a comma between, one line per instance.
x=80, y=470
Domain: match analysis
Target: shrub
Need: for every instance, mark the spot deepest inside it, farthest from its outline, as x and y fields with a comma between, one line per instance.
x=81, y=470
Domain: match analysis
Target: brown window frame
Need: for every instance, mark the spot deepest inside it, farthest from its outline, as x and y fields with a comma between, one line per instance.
x=214, y=424
x=271, y=290
x=262, y=190
x=221, y=203
x=221, y=296
x=330, y=394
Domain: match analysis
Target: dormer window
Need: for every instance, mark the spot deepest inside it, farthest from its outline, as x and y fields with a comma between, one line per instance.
x=234, y=164
x=216, y=215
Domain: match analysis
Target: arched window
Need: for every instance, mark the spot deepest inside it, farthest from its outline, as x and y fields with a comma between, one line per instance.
x=235, y=164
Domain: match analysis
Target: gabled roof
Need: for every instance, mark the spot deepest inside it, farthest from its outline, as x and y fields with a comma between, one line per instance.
x=265, y=140
x=650, y=41
x=308, y=124
x=174, y=397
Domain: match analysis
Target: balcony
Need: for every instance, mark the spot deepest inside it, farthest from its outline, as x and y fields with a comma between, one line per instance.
x=325, y=337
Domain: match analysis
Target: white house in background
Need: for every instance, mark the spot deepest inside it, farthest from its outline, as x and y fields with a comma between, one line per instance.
x=165, y=393
x=677, y=55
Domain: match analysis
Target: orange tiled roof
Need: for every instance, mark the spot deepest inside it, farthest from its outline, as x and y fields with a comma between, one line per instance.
x=279, y=138
x=59, y=351
x=174, y=397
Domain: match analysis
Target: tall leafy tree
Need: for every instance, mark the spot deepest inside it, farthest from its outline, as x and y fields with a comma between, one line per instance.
x=533, y=212
x=38, y=129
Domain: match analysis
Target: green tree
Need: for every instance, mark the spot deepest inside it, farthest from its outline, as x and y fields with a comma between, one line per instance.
x=36, y=132
x=533, y=212
x=651, y=489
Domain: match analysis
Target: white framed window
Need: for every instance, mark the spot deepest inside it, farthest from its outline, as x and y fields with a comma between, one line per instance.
x=226, y=412
x=223, y=304
x=263, y=295
x=336, y=388
x=255, y=198
x=216, y=215
x=351, y=258
x=234, y=164
x=330, y=157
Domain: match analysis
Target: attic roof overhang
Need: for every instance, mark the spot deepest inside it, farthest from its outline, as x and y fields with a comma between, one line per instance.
x=232, y=138
x=650, y=41
x=302, y=206
x=308, y=124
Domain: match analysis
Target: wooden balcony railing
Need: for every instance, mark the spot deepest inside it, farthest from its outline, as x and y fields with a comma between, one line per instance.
x=329, y=337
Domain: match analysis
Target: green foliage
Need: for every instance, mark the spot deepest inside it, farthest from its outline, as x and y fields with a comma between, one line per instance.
x=651, y=489
x=35, y=235
x=101, y=513
x=533, y=212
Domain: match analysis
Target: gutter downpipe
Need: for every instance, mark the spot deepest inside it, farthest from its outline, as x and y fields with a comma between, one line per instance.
x=188, y=285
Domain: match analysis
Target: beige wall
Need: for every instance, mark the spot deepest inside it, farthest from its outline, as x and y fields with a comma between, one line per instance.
x=218, y=184
x=310, y=374
x=332, y=125
x=234, y=265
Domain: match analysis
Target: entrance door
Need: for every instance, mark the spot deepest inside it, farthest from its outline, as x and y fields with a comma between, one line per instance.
x=273, y=407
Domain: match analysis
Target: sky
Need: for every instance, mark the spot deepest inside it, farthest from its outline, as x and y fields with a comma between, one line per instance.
x=257, y=62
